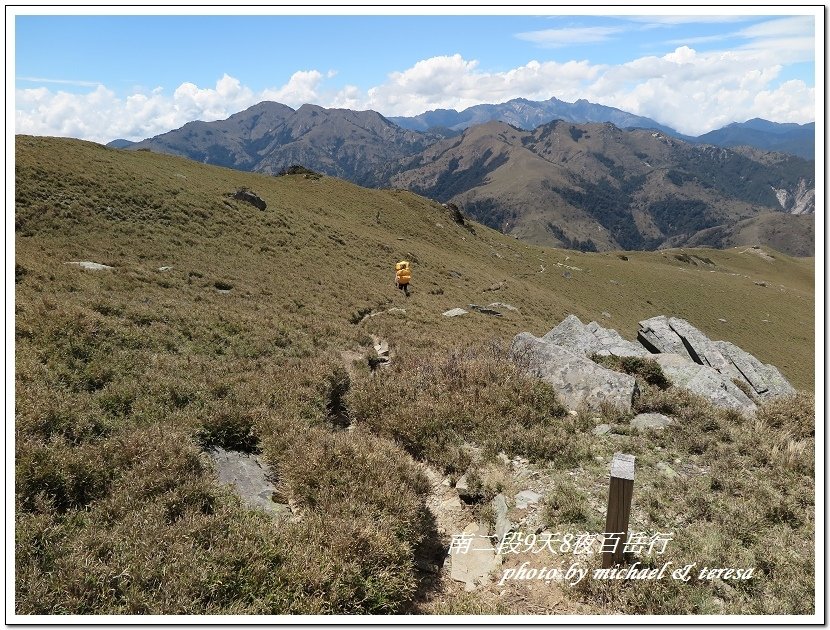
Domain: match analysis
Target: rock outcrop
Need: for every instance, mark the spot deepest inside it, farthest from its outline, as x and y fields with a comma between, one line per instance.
x=669, y=335
x=575, y=378
x=588, y=339
x=243, y=194
x=612, y=343
x=719, y=371
x=765, y=379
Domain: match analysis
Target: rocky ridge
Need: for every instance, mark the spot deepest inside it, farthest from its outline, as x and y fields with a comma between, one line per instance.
x=719, y=371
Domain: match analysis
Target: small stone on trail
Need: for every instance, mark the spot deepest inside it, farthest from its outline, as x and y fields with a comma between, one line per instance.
x=666, y=470
x=650, y=421
x=89, y=265
x=473, y=565
x=526, y=498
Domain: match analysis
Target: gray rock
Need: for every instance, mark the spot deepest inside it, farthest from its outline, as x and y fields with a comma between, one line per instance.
x=657, y=336
x=474, y=565
x=382, y=348
x=452, y=504
x=701, y=349
x=650, y=421
x=249, y=478
x=612, y=343
x=576, y=379
x=89, y=265
x=730, y=360
x=704, y=381
x=502, y=305
x=248, y=196
x=168, y=268
x=602, y=429
x=666, y=470
x=765, y=379
x=454, y=312
x=484, y=310
x=526, y=498
x=503, y=525
x=572, y=334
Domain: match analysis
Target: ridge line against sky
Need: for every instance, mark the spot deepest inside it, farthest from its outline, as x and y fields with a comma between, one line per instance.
x=105, y=77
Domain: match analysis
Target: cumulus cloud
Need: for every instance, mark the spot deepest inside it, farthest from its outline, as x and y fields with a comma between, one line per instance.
x=692, y=91
x=455, y=83
x=301, y=88
x=101, y=116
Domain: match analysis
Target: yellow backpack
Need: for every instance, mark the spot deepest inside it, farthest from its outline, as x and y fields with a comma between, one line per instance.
x=402, y=272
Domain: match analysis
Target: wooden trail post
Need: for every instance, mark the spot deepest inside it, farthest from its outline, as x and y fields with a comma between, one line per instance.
x=619, y=509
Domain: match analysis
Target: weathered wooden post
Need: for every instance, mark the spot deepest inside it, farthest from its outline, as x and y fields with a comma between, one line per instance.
x=619, y=509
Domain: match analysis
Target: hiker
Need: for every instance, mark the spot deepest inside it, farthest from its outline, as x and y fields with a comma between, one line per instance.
x=402, y=276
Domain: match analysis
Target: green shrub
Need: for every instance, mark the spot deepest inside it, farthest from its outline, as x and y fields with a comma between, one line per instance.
x=232, y=429
x=648, y=370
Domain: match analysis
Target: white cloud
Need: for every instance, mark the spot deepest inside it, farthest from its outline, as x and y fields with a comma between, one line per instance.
x=60, y=81
x=559, y=37
x=301, y=88
x=455, y=83
x=692, y=91
x=101, y=116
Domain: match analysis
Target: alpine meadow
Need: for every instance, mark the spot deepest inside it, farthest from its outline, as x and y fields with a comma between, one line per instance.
x=223, y=405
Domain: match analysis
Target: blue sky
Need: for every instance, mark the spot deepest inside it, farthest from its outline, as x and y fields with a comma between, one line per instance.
x=101, y=77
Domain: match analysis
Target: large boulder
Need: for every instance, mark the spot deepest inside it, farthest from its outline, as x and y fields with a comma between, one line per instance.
x=674, y=335
x=588, y=339
x=575, y=378
x=704, y=381
x=572, y=334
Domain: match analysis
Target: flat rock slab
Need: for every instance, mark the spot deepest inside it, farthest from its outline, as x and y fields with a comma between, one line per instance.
x=702, y=349
x=601, y=429
x=650, y=421
x=503, y=524
x=89, y=265
x=675, y=335
x=765, y=379
x=484, y=310
x=526, y=498
x=473, y=565
x=704, y=381
x=454, y=312
x=657, y=336
x=612, y=343
x=502, y=305
x=248, y=477
x=576, y=379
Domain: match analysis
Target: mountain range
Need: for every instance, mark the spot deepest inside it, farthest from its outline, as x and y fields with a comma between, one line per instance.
x=790, y=138
x=526, y=114
x=626, y=183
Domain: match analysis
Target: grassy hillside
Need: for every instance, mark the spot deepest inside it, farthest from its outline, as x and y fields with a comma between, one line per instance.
x=123, y=376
